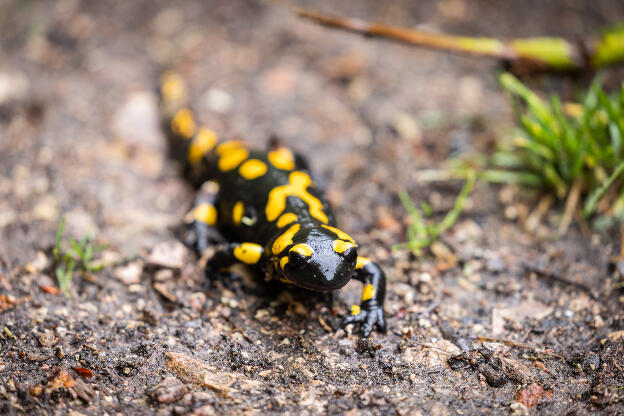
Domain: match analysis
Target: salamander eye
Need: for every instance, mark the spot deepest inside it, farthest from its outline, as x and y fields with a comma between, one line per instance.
x=296, y=259
x=299, y=255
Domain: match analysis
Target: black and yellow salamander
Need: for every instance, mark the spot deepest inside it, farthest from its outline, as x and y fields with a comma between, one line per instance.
x=265, y=204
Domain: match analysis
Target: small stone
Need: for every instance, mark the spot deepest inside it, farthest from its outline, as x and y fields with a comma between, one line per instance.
x=84, y=391
x=46, y=208
x=407, y=127
x=261, y=314
x=168, y=391
x=218, y=100
x=478, y=328
x=38, y=264
x=495, y=264
x=151, y=316
x=518, y=409
x=598, y=322
x=206, y=410
x=47, y=339
x=531, y=395
x=197, y=301
x=445, y=258
x=171, y=254
x=163, y=275
x=425, y=277
x=129, y=274
x=13, y=86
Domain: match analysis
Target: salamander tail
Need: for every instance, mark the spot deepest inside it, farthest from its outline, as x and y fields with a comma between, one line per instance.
x=189, y=143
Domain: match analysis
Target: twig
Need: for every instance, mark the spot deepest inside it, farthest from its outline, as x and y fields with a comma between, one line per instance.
x=450, y=334
x=571, y=205
x=551, y=275
x=543, y=53
x=516, y=344
x=536, y=215
x=509, y=342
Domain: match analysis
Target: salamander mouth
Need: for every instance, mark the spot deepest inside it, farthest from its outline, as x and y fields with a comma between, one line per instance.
x=340, y=283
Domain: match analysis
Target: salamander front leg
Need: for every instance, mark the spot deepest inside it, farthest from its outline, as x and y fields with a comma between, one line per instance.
x=250, y=254
x=370, y=313
x=203, y=217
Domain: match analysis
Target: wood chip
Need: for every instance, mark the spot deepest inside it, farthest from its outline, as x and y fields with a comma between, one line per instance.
x=198, y=372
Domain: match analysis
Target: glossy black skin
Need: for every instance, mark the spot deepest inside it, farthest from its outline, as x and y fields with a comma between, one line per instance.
x=324, y=270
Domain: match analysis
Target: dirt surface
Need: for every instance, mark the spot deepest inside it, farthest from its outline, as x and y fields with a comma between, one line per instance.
x=79, y=139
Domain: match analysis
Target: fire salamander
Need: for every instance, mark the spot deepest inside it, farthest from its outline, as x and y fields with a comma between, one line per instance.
x=266, y=205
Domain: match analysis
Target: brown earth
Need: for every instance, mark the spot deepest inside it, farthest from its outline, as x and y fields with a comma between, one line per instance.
x=79, y=139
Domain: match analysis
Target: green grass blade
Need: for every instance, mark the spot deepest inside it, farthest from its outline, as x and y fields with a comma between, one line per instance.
x=593, y=199
x=418, y=224
x=77, y=248
x=503, y=176
x=535, y=104
x=616, y=139
x=452, y=216
x=507, y=160
x=535, y=147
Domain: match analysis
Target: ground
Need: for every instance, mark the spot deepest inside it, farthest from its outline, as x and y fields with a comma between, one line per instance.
x=503, y=316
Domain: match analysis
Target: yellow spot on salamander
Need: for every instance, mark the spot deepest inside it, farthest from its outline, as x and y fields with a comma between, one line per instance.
x=282, y=158
x=283, y=262
x=237, y=212
x=227, y=147
x=183, y=124
x=249, y=253
x=368, y=292
x=285, y=239
x=202, y=143
x=232, y=159
x=303, y=249
x=298, y=183
x=205, y=213
x=286, y=219
x=355, y=309
x=340, y=234
x=361, y=262
x=172, y=87
x=231, y=154
x=341, y=246
x=252, y=169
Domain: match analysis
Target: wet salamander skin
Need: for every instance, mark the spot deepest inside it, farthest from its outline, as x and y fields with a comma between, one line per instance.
x=270, y=210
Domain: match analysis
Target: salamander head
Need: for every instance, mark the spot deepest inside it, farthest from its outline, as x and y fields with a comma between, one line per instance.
x=315, y=257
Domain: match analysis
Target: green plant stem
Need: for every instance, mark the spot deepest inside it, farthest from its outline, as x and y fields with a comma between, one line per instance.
x=421, y=235
x=452, y=216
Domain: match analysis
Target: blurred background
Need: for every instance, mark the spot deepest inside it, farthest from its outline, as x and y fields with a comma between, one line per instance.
x=80, y=140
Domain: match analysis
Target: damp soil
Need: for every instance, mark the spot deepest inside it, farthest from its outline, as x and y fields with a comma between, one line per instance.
x=501, y=316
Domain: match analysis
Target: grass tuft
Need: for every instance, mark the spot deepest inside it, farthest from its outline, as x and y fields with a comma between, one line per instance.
x=79, y=258
x=421, y=234
x=574, y=150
